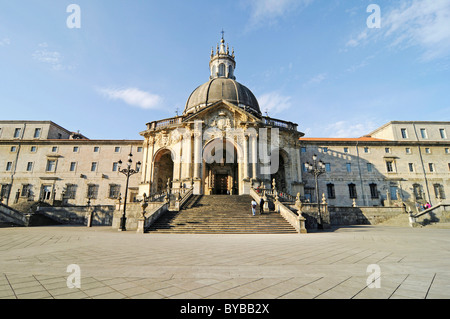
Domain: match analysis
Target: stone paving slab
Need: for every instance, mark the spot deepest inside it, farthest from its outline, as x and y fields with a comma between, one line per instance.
x=414, y=263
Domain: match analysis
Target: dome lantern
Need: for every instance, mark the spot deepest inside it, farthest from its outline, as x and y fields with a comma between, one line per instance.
x=222, y=64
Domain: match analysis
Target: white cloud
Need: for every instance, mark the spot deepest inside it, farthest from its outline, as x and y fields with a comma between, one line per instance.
x=347, y=129
x=53, y=58
x=317, y=79
x=134, y=97
x=269, y=11
x=274, y=103
x=413, y=23
x=5, y=42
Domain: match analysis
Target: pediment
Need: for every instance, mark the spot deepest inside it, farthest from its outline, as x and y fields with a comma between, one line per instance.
x=223, y=115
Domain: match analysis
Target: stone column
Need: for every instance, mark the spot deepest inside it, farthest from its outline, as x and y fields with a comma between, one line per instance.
x=254, y=156
x=197, y=154
x=246, y=177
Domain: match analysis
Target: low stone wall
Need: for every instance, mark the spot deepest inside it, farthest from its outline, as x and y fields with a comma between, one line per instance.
x=436, y=214
x=10, y=215
x=78, y=215
x=134, y=213
x=362, y=215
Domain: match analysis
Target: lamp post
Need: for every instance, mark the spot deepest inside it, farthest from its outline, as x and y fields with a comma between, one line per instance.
x=128, y=171
x=316, y=169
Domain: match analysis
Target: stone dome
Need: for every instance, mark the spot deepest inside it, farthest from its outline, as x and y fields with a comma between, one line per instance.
x=222, y=88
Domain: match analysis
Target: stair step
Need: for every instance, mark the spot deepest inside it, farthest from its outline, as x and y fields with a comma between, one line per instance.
x=220, y=214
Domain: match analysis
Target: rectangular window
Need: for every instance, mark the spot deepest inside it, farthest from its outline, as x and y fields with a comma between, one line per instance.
x=447, y=150
x=325, y=149
x=26, y=190
x=408, y=150
x=33, y=149
x=369, y=167
x=442, y=133
x=139, y=149
x=387, y=150
x=54, y=149
x=114, y=191
x=366, y=150
x=345, y=149
x=373, y=190
x=92, y=191
x=5, y=190
x=427, y=150
x=411, y=167
x=352, y=190
x=330, y=191
x=13, y=149
x=71, y=190
x=404, y=133
x=303, y=149
x=117, y=149
x=73, y=166
x=93, y=166
x=29, y=166
x=431, y=167
x=51, y=164
x=304, y=169
x=327, y=167
x=439, y=191
x=8, y=166
x=389, y=166
x=37, y=132
x=349, y=167
x=115, y=166
x=96, y=149
x=75, y=149
x=423, y=133
x=17, y=132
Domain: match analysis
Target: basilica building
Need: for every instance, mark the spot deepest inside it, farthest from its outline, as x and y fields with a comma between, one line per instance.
x=221, y=144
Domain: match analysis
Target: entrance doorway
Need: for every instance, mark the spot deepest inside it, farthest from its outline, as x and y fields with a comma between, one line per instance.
x=163, y=171
x=221, y=184
x=221, y=168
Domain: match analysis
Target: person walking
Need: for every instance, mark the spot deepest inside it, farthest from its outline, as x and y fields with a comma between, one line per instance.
x=253, y=207
x=261, y=206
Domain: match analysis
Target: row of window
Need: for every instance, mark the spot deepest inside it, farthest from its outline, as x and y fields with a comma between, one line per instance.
x=51, y=166
x=390, y=167
x=374, y=193
x=75, y=149
x=387, y=150
x=423, y=133
x=69, y=191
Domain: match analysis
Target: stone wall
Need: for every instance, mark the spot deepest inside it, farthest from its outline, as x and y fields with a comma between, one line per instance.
x=362, y=215
x=77, y=215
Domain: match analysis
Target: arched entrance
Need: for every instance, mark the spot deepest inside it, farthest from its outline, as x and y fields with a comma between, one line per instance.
x=162, y=171
x=220, y=168
x=280, y=174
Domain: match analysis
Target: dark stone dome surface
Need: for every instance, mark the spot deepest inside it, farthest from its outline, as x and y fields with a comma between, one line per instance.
x=218, y=89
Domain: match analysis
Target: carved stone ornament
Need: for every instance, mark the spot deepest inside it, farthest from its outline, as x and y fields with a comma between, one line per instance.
x=221, y=120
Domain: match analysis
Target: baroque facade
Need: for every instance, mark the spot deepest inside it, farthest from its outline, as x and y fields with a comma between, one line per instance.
x=223, y=144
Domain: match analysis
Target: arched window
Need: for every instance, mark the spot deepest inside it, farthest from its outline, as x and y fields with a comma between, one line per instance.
x=230, y=71
x=221, y=69
x=214, y=71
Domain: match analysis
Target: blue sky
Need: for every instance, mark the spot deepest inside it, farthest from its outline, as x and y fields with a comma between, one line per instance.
x=314, y=62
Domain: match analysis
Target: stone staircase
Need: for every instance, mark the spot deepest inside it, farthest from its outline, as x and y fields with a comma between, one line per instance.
x=220, y=214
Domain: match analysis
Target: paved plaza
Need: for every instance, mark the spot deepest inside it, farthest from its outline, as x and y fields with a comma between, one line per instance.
x=352, y=262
